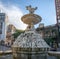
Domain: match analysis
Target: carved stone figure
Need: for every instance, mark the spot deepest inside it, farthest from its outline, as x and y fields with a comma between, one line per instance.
x=31, y=10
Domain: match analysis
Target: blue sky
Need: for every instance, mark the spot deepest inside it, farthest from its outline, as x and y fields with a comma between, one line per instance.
x=46, y=9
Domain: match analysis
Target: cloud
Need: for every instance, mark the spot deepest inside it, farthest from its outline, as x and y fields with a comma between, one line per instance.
x=14, y=15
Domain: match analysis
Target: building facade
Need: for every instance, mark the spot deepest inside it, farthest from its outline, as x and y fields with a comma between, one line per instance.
x=57, y=5
x=9, y=37
x=6, y=30
x=48, y=31
x=2, y=26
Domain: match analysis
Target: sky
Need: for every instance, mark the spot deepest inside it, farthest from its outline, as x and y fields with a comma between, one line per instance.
x=15, y=9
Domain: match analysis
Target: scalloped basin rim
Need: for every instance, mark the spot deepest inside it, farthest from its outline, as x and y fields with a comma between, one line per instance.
x=29, y=18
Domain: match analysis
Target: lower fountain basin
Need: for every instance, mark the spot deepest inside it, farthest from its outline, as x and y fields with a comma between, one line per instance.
x=29, y=50
x=28, y=53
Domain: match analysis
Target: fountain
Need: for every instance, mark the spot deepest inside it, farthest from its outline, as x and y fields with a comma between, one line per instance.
x=29, y=43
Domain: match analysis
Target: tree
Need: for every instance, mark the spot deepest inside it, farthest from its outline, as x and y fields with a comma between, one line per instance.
x=17, y=33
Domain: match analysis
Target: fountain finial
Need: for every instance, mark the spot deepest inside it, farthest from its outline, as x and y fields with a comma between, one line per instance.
x=31, y=10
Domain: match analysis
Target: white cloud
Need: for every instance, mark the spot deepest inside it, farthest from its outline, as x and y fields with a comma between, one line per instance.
x=14, y=15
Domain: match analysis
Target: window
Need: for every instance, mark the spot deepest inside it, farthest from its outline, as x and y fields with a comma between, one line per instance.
x=0, y=27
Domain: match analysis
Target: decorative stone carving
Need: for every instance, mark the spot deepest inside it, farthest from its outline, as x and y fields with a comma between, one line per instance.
x=31, y=10
x=30, y=39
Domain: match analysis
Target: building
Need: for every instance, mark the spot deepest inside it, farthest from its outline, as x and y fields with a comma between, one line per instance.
x=9, y=37
x=57, y=5
x=6, y=30
x=2, y=26
x=48, y=31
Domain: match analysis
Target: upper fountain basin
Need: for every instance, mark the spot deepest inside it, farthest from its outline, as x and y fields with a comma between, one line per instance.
x=31, y=18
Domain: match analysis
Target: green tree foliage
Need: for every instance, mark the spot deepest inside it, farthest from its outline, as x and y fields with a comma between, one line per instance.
x=50, y=40
x=17, y=33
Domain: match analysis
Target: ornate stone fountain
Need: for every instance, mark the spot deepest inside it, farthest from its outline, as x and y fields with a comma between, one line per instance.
x=30, y=42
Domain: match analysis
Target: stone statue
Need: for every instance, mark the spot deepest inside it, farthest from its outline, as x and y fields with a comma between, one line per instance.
x=31, y=10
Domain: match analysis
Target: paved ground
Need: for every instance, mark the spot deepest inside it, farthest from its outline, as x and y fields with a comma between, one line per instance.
x=4, y=48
